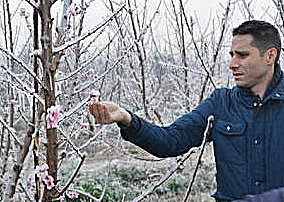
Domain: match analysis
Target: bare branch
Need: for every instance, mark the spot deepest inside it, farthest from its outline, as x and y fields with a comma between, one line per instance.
x=102, y=75
x=34, y=4
x=195, y=45
x=166, y=176
x=25, y=191
x=91, y=59
x=206, y=134
x=90, y=32
x=11, y=131
x=71, y=143
x=248, y=10
x=69, y=113
x=21, y=63
x=72, y=177
x=24, y=86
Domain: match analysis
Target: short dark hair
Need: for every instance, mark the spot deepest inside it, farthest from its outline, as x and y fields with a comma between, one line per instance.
x=265, y=35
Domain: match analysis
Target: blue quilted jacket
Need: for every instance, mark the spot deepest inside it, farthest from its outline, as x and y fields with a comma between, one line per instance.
x=248, y=138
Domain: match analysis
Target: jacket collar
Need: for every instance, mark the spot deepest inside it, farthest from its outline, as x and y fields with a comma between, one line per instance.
x=275, y=90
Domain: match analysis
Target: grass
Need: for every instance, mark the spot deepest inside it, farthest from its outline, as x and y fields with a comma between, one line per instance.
x=128, y=178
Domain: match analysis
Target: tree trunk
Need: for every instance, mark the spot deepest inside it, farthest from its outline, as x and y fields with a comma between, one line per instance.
x=49, y=92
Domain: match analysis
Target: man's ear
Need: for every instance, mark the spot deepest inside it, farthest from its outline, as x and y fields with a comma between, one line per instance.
x=271, y=56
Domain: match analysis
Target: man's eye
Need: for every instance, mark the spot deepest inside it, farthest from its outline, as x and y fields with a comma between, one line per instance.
x=243, y=55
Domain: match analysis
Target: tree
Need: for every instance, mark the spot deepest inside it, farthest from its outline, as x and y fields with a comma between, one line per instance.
x=154, y=58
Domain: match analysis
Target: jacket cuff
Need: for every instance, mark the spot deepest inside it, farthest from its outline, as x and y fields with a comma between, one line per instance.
x=134, y=125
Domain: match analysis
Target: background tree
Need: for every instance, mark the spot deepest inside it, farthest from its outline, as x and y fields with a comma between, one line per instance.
x=158, y=59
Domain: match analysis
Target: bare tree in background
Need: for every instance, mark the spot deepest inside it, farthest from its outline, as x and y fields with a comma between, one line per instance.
x=154, y=58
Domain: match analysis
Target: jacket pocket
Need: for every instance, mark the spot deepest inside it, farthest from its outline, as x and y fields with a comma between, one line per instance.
x=230, y=128
x=230, y=141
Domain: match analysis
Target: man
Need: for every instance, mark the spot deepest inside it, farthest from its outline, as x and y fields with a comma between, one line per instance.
x=248, y=130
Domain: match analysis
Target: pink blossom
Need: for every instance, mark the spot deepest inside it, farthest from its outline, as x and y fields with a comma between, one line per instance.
x=95, y=95
x=3, y=79
x=73, y=194
x=75, y=10
x=103, y=131
x=91, y=73
x=72, y=12
x=49, y=181
x=85, y=126
x=53, y=116
x=42, y=168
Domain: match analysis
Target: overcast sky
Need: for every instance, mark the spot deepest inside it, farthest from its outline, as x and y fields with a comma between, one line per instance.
x=202, y=11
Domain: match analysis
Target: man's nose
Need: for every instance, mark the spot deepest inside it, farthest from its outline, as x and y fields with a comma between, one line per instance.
x=233, y=63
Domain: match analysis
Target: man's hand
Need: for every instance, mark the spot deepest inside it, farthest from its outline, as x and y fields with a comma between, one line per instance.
x=108, y=112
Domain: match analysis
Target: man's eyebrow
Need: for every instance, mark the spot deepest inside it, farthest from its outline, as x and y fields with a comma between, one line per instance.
x=239, y=52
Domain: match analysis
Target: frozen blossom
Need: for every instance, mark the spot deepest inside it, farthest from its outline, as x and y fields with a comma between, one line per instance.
x=91, y=73
x=95, y=95
x=53, y=116
x=49, y=182
x=75, y=9
x=73, y=194
x=85, y=126
x=42, y=170
x=103, y=131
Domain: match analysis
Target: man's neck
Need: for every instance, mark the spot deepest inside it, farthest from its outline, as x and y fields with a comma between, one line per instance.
x=263, y=86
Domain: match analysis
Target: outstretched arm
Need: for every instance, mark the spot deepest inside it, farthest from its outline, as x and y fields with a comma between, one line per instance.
x=162, y=141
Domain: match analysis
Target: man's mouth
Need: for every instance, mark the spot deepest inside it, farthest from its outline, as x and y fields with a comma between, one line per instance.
x=237, y=75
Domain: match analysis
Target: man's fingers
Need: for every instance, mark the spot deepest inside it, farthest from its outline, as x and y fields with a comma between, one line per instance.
x=107, y=118
x=100, y=112
x=103, y=112
x=94, y=110
x=97, y=113
x=91, y=106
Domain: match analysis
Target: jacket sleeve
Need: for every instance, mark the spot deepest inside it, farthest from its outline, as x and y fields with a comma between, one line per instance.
x=176, y=139
x=276, y=195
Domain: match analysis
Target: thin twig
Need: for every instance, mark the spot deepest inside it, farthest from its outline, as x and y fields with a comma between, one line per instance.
x=33, y=4
x=21, y=63
x=195, y=46
x=102, y=75
x=206, y=134
x=72, y=177
x=71, y=43
x=73, y=110
x=166, y=176
x=169, y=65
x=71, y=143
x=90, y=60
x=248, y=10
x=11, y=131
x=24, y=86
x=26, y=192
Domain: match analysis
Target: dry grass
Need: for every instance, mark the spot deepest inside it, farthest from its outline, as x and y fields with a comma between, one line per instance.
x=130, y=176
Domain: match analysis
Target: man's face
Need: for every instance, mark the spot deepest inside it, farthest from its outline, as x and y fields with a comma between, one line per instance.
x=249, y=68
